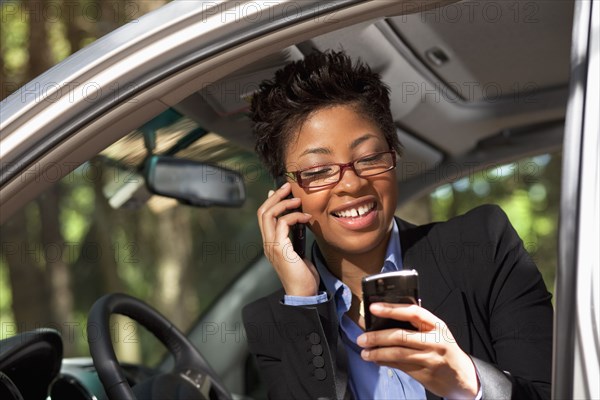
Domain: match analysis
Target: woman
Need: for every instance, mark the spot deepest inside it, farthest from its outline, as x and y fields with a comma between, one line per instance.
x=485, y=324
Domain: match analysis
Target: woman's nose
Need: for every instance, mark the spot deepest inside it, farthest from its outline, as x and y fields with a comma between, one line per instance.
x=349, y=180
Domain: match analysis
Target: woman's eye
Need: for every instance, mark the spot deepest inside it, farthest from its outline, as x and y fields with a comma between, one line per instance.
x=316, y=173
x=371, y=159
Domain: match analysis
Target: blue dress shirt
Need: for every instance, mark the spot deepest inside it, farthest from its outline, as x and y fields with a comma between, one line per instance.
x=367, y=379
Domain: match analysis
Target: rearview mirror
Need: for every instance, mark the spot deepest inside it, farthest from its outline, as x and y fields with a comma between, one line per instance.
x=194, y=183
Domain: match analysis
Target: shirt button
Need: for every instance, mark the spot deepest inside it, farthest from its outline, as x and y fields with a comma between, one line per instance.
x=314, y=338
x=318, y=361
x=316, y=349
x=320, y=374
x=390, y=373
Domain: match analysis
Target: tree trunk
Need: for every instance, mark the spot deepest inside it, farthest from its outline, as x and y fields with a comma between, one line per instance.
x=59, y=274
x=38, y=48
x=109, y=251
x=5, y=85
x=71, y=18
x=173, y=259
x=111, y=16
x=30, y=294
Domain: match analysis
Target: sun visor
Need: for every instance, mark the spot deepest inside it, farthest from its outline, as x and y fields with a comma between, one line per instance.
x=223, y=106
x=231, y=96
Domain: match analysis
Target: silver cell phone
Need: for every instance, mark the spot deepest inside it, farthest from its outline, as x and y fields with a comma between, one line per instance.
x=390, y=287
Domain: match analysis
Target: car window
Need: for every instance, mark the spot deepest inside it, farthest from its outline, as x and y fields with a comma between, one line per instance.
x=528, y=190
x=99, y=230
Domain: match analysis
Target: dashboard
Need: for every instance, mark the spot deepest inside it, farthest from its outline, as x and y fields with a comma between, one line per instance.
x=31, y=367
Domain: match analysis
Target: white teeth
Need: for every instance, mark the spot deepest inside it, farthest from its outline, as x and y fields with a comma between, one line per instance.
x=355, y=212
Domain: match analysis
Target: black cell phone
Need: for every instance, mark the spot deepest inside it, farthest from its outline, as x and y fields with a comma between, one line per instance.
x=390, y=287
x=297, y=231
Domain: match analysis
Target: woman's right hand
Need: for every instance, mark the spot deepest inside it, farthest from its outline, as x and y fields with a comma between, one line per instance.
x=298, y=276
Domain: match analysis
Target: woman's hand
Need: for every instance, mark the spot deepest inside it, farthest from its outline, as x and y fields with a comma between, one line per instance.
x=298, y=276
x=430, y=355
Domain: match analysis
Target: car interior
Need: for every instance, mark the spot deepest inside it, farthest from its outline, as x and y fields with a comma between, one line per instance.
x=473, y=85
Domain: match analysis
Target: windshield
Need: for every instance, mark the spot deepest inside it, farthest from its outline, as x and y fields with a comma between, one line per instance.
x=98, y=230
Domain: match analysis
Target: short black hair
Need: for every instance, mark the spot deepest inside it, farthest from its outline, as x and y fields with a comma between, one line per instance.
x=320, y=80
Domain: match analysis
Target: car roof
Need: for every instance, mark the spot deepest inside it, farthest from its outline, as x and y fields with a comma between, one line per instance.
x=471, y=83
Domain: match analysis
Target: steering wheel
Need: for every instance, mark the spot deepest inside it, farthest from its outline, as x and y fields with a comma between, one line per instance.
x=191, y=376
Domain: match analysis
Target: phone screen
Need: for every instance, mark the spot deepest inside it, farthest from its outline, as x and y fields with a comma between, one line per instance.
x=298, y=231
x=390, y=287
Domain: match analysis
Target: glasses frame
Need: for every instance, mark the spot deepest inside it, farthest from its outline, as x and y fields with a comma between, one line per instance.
x=295, y=175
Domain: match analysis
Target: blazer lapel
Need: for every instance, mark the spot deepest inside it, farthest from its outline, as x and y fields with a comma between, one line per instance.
x=437, y=291
x=437, y=288
x=419, y=254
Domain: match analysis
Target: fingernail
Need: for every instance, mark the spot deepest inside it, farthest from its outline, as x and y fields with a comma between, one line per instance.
x=377, y=307
x=361, y=340
x=365, y=354
x=285, y=185
x=270, y=193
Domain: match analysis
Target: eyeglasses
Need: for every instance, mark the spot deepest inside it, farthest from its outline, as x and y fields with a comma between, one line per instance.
x=330, y=174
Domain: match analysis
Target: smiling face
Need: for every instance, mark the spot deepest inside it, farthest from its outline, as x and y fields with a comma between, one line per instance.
x=340, y=134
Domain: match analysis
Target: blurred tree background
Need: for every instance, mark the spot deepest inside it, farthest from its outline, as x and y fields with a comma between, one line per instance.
x=68, y=247
x=527, y=190
x=36, y=34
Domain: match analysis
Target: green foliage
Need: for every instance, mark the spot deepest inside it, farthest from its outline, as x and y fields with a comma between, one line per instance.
x=77, y=209
x=6, y=315
x=527, y=190
x=13, y=40
x=59, y=45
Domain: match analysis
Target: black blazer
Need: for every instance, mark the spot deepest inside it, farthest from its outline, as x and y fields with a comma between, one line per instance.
x=474, y=274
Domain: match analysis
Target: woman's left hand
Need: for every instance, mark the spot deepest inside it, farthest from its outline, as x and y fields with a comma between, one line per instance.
x=430, y=355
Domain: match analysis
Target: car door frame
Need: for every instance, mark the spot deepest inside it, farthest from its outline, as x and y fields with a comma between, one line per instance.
x=577, y=323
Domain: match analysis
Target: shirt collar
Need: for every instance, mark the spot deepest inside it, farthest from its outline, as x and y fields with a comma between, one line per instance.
x=340, y=291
